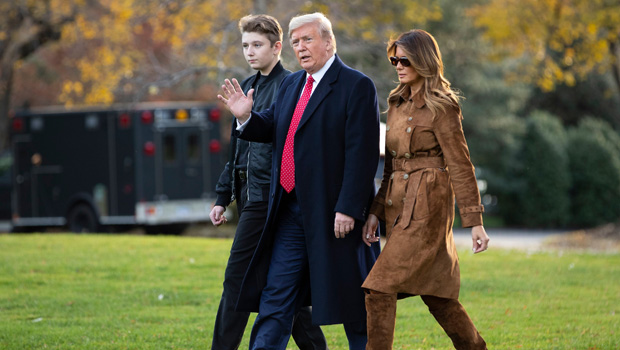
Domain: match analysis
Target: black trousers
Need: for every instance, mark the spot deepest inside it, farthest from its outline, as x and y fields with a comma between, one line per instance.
x=230, y=324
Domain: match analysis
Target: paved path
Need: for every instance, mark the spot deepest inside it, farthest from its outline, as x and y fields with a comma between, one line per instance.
x=528, y=240
x=521, y=239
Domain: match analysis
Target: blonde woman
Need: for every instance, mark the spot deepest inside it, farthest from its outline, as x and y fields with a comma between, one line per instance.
x=427, y=164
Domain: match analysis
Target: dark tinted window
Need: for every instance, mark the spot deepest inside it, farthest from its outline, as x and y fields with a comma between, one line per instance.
x=193, y=148
x=170, y=154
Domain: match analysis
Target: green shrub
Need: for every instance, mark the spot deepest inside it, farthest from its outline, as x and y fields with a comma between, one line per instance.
x=594, y=150
x=544, y=200
x=494, y=152
x=596, y=125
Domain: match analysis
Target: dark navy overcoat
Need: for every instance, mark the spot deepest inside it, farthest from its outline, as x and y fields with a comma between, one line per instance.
x=336, y=156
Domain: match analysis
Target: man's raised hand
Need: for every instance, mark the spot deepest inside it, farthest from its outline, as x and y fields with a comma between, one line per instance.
x=237, y=102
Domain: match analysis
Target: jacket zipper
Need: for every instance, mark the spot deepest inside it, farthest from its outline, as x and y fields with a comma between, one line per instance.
x=247, y=177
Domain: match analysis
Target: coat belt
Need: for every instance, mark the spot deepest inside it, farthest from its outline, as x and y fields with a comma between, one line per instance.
x=412, y=167
x=412, y=164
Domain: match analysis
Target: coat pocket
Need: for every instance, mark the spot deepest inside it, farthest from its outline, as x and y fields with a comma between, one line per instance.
x=421, y=208
x=411, y=201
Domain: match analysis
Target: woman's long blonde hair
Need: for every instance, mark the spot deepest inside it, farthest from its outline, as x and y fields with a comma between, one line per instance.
x=423, y=52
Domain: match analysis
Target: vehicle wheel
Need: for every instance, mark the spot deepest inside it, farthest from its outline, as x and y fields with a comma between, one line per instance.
x=82, y=219
x=169, y=229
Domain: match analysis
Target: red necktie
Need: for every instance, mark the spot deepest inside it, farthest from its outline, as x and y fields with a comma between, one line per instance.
x=287, y=170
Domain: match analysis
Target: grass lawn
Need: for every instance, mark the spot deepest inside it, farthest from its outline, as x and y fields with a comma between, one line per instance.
x=62, y=291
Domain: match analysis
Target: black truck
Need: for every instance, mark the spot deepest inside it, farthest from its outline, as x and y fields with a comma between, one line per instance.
x=152, y=164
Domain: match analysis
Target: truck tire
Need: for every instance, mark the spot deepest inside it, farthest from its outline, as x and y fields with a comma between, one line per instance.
x=82, y=219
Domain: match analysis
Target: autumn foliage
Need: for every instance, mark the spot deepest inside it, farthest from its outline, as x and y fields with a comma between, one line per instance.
x=554, y=41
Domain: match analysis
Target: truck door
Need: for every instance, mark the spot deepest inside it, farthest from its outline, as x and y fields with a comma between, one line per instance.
x=23, y=176
x=179, y=162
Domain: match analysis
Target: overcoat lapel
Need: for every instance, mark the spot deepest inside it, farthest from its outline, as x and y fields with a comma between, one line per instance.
x=321, y=92
x=286, y=113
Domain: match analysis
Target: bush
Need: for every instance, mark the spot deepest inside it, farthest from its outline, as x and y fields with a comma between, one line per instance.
x=494, y=151
x=544, y=200
x=595, y=125
x=594, y=150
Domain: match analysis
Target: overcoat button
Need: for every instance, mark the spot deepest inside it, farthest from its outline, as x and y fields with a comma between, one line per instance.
x=407, y=155
x=408, y=129
x=410, y=118
x=387, y=128
x=393, y=153
x=392, y=176
x=406, y=176
x=389, y=202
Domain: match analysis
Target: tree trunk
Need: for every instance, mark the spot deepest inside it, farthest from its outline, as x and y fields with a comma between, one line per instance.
x=6, y=85
x=29, y=34
x=614, y=47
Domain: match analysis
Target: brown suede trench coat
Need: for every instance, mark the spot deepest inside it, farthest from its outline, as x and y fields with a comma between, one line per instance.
x=426, y=164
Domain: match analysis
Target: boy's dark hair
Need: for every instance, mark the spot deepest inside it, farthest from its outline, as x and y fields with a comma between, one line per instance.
x=263, y=24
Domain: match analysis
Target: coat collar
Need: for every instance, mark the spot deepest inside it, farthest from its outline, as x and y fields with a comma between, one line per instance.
x=275, y=71
x=405, y=95
x=322, y=90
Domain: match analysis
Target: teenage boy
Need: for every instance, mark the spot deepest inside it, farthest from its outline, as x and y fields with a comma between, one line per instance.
x=246, y=178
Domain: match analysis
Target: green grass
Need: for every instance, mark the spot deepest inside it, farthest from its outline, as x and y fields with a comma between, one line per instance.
x=144, y=292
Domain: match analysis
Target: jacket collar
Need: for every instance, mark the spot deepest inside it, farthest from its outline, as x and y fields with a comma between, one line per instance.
x=322, y=90
x=405, y=95
x=277, y=69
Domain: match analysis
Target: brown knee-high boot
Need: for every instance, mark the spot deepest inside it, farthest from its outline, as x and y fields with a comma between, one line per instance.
x=381, y=319
x=454, y=320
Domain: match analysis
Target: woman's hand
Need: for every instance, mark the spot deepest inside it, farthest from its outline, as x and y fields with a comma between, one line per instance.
x=479, y=238
x=369, y=230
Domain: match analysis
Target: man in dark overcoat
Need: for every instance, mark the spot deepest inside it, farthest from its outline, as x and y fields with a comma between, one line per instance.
x=246, y=179
x=325, y=121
